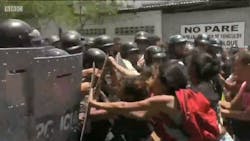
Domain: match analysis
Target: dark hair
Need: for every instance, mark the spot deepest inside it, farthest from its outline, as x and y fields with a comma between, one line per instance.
x=204, y=65
x=134, y=87
x=173, y=75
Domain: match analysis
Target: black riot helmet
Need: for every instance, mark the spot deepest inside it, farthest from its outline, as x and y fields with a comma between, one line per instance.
x=103, y=42
x=93, y=55
x=215, y=42
x=53, y=39
x=176, y=46
x=153, y=39
x=70, y=38
x=154, y=54
x=75, y=49
x=202, y=40
x=142, y=40
x=54, y=52
x=89, y=42
x=71, y=41
x=128, y=48
x=141, y=36
x=215, y=46
x=15, y=33
x=176, y=39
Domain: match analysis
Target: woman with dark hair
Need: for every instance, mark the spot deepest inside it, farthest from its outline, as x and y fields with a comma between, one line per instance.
x=203, y=70
x=130, y=129
x=166, y=106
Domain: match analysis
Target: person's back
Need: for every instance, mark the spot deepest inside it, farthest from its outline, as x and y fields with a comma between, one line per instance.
x=207, y=89
x=203, y=70
x=195, y=113
x=132, y=129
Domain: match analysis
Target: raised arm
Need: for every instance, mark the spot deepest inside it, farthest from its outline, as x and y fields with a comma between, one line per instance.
x=236, y=114
x=121, y=69
x=89, y=71
x=150, y=105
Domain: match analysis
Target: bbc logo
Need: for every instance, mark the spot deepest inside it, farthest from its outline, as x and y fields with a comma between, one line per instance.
x=13, y=8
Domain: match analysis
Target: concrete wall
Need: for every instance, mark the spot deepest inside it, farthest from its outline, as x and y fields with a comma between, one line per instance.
x=148, y=18
x=172, y=21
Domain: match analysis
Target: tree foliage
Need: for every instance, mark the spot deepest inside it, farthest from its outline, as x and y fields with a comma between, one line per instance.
x=61, y=11
x=96, y=10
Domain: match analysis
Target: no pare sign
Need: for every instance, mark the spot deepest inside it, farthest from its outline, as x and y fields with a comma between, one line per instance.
x=232, y=34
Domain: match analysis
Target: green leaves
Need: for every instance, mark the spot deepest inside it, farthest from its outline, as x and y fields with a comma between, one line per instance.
x=61, y=11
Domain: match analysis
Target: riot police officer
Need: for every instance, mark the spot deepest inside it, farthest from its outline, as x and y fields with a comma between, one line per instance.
x=54, y=40
x=89, y=43
x=154, y=54
x=177, y=47
x=202, y=41
x=105, y=43
x=117, y=45
x=215, y=47
x=15, y=33
x=130, y=52
x=71, y=41
x=154, y=40
x=93, y=55
x=142, y=40
x=98, y=128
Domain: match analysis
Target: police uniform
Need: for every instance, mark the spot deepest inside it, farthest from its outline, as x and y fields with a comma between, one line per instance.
x=177, y=45
x=95, y=130
x=154, y=54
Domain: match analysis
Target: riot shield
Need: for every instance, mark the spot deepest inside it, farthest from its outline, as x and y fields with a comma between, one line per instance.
x=14, y=64
x=55, y=97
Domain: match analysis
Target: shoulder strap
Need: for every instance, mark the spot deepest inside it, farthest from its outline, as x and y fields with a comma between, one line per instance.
x=185, y=106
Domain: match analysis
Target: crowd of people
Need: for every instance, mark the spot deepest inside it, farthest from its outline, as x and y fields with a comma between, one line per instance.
x=151, y=81
x=150, y=89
